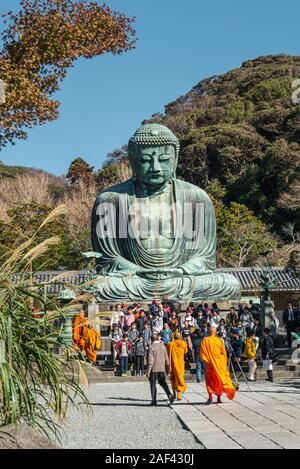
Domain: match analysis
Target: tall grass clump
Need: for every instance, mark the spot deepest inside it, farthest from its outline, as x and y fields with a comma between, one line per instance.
x=36, y=385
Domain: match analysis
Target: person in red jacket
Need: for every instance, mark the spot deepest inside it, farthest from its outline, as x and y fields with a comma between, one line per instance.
x=124, y=350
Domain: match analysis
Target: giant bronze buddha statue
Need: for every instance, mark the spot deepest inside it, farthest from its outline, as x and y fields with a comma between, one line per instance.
x=155, y=234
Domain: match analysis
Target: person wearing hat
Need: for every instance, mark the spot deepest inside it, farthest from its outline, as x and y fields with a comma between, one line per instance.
x=214, y=355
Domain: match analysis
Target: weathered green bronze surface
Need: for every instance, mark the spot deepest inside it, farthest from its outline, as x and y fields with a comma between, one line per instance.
x=157, y=234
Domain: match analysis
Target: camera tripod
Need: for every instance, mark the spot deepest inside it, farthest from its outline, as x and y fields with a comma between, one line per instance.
x=231, y=366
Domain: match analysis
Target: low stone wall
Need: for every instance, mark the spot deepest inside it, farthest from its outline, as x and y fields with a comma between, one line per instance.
x=224, y=305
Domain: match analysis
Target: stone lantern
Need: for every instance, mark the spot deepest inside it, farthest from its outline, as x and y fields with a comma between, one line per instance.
x=65, y=298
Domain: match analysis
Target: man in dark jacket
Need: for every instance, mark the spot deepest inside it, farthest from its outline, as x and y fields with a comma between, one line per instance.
x=290, y=321
x=196, y=341
x=268, y=352
x=158, y=366
x=198, y=318
x=255, y=309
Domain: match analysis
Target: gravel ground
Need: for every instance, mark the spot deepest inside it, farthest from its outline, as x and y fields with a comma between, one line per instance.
x=122, y=419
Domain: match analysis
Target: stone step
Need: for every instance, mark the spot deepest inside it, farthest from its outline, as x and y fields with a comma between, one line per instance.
x=279, y=376
x=110, y=377
x=188, y=379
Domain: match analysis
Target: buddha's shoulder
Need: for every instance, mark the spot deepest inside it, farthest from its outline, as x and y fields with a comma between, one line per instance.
x=114, y=192
x=195, y=191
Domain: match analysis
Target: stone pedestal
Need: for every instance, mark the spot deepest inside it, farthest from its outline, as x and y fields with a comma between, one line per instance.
x=268, y=315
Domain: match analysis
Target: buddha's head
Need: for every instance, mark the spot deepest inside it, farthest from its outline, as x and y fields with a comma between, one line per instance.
x=153, y=154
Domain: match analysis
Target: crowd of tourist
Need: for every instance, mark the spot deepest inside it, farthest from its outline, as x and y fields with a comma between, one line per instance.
x=132, y=329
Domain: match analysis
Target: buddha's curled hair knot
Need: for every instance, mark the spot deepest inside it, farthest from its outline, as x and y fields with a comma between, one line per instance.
x=152, y=135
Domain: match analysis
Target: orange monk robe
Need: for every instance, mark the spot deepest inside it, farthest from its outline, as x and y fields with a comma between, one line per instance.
x=79, y=322
x=176, y=351
x=213, y=354
x=92, y=343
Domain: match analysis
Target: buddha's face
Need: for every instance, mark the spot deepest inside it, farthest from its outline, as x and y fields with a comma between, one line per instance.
x=154, y=166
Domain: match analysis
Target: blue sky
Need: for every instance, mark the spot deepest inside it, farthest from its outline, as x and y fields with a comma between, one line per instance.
x=104, y=100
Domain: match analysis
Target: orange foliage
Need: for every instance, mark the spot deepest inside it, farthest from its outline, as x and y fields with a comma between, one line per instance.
x=40, y=43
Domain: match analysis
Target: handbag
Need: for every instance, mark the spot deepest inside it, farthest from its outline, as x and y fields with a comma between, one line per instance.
x=267, y=365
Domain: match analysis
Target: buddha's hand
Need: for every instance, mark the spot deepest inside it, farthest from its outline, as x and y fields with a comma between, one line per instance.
x=120, y=274
x=160, y=273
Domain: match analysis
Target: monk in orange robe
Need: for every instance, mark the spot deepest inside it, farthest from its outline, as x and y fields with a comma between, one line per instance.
x=79, y=323
x=213, y=354
x=176, y=351
x=92, y=343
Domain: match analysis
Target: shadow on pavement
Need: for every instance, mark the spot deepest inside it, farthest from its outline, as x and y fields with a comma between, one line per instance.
x=121, y=404
x=130, y=399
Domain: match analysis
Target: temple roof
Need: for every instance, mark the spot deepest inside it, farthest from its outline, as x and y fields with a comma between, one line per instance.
x=247, y=276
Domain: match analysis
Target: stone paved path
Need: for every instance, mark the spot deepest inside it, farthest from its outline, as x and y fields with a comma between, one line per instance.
x=266, y=417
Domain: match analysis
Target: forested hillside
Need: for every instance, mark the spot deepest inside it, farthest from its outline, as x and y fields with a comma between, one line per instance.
x=240, y=140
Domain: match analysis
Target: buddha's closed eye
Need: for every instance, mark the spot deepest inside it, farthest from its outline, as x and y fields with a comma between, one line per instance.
x=164, y=157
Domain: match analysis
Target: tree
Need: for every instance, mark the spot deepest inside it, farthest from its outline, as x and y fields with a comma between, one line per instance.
x=284, y=253
x=79, y=171
x=117, y=156
x=116, y=168
x=40, y=43
x=242, y=237
x=79, y=202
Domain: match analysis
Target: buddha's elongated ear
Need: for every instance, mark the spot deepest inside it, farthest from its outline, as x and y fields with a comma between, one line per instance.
x=176, y=161
x=131, y=157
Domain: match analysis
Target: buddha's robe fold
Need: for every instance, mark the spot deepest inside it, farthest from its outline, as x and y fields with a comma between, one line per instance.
x=79, y=323
x=213, y=354
x=176, y=351
x=123, y=253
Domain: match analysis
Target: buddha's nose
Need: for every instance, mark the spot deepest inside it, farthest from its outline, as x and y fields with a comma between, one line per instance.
x=156, y=166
